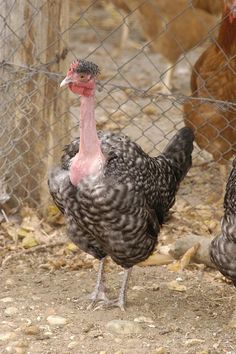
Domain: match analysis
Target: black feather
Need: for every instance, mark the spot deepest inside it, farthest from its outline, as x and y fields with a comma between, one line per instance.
x=87, y=67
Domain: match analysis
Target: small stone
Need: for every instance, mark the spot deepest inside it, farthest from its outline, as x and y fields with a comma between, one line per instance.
x=10, y=311
x=9, y=282
x=73, y=344
x=174, y=285
x=119, y=352
x=56, y=320
x=19, y=350
x=123, y=327
x=154, y=287
x=143, y=319
x=36, y=298
x=31, y=330
x=7, y=299
x=6, y=336
x=102, y=352
x=44, y=336
x=137, y=287
x=179, y=279
x=160, y=350
x=22, y=344
x=193, y=341
x=204, y=352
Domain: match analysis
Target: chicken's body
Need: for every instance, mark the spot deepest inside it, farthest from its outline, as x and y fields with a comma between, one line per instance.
x=116, y=210
x=214, y=77
x=223, y=247
x=119, y=212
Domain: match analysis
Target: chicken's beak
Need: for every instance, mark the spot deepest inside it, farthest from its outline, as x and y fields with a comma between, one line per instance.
x=66, y=81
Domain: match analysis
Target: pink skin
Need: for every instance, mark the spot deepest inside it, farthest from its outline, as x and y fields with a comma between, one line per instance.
x=89, y=161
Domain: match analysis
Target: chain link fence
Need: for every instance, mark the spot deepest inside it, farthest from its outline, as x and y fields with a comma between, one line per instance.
x=146, y=51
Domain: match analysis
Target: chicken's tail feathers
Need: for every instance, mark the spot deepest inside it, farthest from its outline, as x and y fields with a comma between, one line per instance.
x=179, y=151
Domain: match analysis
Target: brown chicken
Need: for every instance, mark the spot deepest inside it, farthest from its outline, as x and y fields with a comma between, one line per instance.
x=172, y=29
x=214, y=77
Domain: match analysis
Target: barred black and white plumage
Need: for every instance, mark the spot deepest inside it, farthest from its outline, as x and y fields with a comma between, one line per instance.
x=223, y=247
x=113, y=195
x=121, y=211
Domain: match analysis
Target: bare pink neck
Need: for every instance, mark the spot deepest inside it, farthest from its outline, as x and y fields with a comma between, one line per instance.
x=89, y=160
x=89, y=143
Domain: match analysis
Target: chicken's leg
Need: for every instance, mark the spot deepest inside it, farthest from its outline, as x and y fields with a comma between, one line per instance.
x=124, y=35
x=121, y=301
x=99, y=292
x=165, y=85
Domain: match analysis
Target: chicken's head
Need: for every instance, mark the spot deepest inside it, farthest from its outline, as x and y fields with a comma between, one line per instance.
x=230, y=6
x=80, y=77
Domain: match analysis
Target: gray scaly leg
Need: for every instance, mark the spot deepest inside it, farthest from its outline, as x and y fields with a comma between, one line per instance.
x=99, y=292
x=121, y=301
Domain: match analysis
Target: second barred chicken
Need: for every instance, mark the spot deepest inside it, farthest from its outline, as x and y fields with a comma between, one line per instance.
x=114, y=196
x=223, y=247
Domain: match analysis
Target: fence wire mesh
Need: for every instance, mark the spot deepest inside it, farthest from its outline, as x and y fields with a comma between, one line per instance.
x=146, y=51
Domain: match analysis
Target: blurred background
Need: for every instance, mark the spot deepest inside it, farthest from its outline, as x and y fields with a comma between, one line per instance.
x=146, y=51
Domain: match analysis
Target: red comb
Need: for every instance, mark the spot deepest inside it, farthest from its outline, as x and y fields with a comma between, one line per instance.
x=74, y=64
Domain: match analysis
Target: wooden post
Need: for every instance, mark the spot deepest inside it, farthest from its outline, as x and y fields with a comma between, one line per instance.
x=35, y=117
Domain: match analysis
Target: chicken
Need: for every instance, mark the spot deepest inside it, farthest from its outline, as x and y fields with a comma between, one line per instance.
x=172, y=29
x=113, y=195
x=213, y=77
x=223, y=247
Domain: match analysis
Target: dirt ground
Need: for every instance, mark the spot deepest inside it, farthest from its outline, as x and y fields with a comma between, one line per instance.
x=43, y=300
x=198, y=319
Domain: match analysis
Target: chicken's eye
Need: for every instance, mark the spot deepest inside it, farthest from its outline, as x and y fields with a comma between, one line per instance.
x=83, y=77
